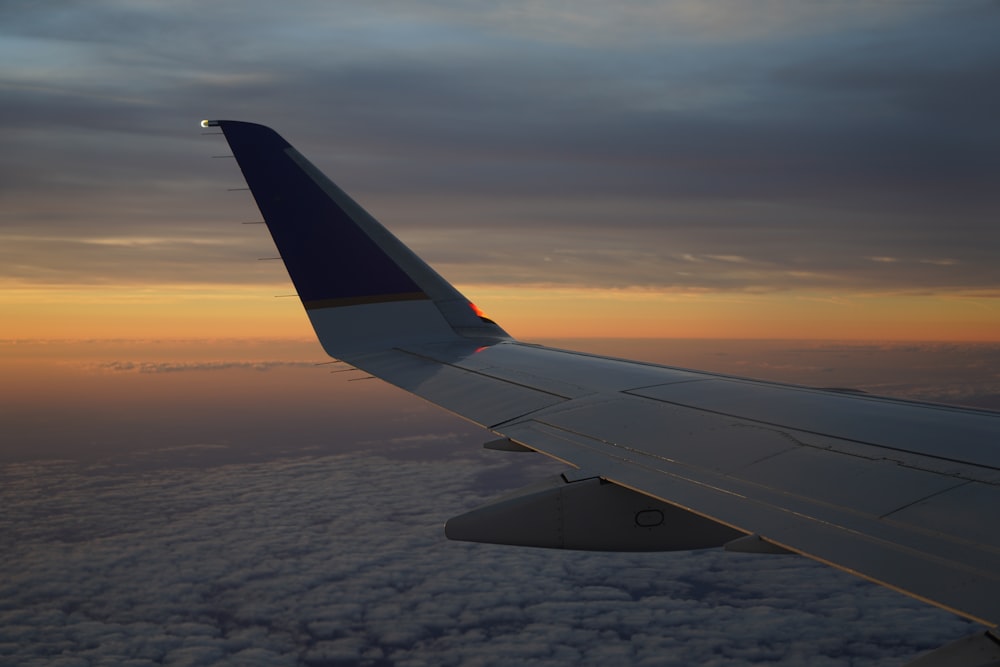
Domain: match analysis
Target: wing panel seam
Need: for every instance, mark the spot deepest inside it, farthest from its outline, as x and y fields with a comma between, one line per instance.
x=426, y=357
x=722, y=413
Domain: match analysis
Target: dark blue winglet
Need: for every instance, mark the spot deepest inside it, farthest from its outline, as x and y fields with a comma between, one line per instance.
x=330, y=259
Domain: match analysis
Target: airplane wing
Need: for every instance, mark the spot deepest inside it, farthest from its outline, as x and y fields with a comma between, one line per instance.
x=902, y=493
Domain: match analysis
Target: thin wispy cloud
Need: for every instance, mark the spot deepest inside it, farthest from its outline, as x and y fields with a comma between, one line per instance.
x=199, y=366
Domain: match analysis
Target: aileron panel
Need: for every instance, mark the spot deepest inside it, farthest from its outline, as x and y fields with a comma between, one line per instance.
x=952, y=434
x=857, y=484
x=968, y=512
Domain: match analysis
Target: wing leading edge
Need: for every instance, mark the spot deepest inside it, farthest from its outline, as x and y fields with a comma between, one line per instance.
x=898, y=492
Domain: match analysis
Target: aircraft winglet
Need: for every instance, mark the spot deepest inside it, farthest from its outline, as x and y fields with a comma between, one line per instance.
x=363, y=289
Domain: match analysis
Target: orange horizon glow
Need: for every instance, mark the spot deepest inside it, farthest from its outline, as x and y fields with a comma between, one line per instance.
x=242, y=311
x=731, y=315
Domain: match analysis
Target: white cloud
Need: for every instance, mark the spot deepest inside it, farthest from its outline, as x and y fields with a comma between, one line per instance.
x=342, y=558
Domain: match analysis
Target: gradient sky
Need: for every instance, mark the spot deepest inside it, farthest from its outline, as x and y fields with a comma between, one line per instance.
x=740, y=168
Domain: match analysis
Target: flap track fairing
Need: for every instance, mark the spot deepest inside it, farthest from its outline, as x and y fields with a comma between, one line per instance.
x=588, y=514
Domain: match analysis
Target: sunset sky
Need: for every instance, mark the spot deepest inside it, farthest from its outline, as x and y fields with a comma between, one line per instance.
x=730, y=169
x=181, y=483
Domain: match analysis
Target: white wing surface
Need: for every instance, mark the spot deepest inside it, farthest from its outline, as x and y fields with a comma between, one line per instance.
x=902, y=493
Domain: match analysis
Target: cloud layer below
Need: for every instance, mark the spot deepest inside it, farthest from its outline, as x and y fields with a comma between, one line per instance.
x=341, y=560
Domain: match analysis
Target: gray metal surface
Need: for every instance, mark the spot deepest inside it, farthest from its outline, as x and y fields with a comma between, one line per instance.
x=898, y=492
x=588, y=514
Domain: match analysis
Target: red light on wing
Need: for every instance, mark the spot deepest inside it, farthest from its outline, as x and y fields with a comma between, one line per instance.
x=480, y=314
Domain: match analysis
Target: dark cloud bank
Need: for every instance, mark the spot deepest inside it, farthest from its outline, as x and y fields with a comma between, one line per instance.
x=799, y=137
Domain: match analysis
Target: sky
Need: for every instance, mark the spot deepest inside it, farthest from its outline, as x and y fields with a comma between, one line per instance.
x=802, y=192
x=733, y=169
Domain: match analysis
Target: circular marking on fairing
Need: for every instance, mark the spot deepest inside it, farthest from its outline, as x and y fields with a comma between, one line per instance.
x=648, y=518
